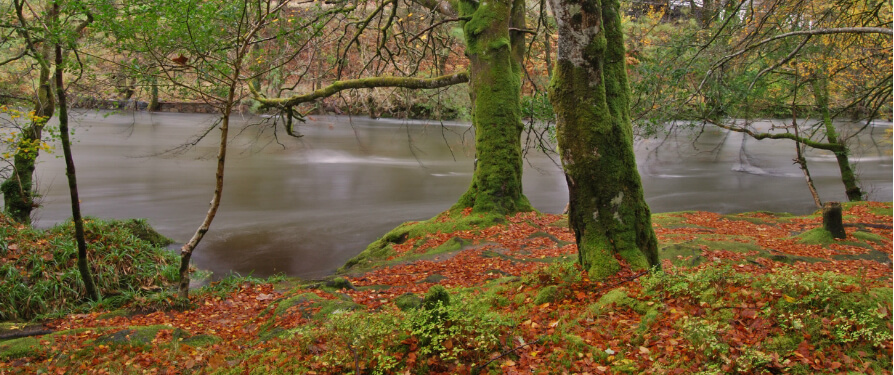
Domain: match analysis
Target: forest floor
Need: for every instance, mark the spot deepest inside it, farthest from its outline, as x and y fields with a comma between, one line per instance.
x=746, y=293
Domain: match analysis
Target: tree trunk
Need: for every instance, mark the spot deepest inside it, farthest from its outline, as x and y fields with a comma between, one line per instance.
x=848, y=177
x=802, y=163
x=189, y=246
x=18, y=194
x=83, y=266
x=832, y=220
x=495, y=53
x=153, y=94
x=590, y=94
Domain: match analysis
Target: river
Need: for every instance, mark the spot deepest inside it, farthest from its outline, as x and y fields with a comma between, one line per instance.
x=304, y=206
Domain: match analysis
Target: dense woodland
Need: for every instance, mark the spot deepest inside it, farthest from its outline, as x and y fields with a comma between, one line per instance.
x=586, y=77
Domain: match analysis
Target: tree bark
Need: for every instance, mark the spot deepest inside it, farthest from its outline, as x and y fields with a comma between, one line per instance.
x=83, y=266
x=590, y=95
x=189, y=246
x=832, y=220
x=848, y=177
x=18, y=189
x=495, y=74
x=153, y=94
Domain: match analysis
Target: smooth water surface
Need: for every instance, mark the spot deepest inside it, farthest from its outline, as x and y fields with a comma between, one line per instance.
x=304, y=206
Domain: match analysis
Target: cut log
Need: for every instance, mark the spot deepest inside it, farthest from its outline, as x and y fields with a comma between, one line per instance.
x=832, y=219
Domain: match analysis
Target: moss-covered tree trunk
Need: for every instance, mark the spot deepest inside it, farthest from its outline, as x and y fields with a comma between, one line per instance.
x=590, y=95
x=848, y=177
x=153, y=94
x=495, y=47
x=18, y=189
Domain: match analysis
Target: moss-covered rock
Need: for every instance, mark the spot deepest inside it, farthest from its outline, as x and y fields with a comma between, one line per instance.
x=408, y=301
x=140, y=335
x=334, y=306
x=339, y=283
x=433, y=278
x=200, y=340
x=20, y=347
x=547, y=294
x=619, y=298
x=437, y=294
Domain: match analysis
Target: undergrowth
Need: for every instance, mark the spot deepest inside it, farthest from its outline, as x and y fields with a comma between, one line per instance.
x=41, y=279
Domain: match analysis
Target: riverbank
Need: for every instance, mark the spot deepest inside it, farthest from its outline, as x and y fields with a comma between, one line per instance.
x=748, y=293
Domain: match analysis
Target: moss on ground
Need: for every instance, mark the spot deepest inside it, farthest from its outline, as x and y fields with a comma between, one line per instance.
x=375, y=255
x=285, y=304
x=140, y=334
x=20, y=347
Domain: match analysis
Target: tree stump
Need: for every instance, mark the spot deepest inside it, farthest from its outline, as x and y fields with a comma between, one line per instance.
x=832, y=219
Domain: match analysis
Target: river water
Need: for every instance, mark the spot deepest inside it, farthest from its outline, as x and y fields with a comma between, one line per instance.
x=304, y=206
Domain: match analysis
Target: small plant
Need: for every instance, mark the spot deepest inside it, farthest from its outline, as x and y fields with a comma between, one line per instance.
x=40, y=278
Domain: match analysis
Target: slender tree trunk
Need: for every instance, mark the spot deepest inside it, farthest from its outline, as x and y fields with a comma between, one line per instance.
x=590, y=94
x=799, y=158
x=18, y=189
x=83, y=265
x=189, y=246
x=848, y=177
x=153, y=94
x=495, y=53
x=802, y=163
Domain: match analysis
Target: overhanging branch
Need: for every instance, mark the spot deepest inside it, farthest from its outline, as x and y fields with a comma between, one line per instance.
x=834, y=147
x=364, y=83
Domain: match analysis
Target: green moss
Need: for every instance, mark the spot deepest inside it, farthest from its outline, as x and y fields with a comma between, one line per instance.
x=139, y=334
x=648, y=320
x=561, y=223
x=816, y=236
x=21, y=347
x=547, y=294
x=338, y=283
x=870, y=237
x=282, y=306
x=433, y=278
x=688, y=253
x=141, y=229
x=618, y=298
x=408, y=301
x=201, y=340
x=330, y=306
x=377, y=253
x=453, y=244
x=436, y=295
x=884, y=211
x=114, y=314
x=784, y=343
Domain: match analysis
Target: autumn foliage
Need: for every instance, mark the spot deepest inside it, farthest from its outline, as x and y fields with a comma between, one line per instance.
x=747, y=293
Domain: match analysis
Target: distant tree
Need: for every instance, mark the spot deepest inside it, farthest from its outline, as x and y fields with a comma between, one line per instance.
x=796, y=59
x=27, y=55
x=47, y=34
